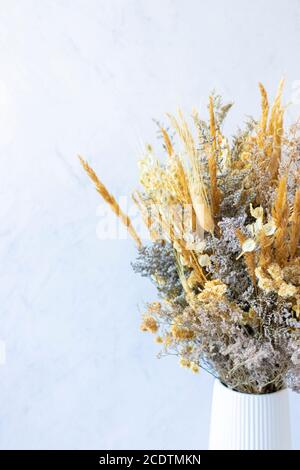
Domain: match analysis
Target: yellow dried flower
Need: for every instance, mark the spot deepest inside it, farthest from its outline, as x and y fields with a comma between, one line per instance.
x=194, y=367
x=275, y=282
x=149, y=324
x=275, y=271
x=287, y=290
x=181, y=333
x=168, y=339
x=184, y=362
x=251, y=318
x=159, y=340
x=291, y=273
x=266, y=285
x=264, y=282
x=216, y=288
x=154, y=307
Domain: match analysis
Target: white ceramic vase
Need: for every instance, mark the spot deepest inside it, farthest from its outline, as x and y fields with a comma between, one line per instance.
x=241, y=421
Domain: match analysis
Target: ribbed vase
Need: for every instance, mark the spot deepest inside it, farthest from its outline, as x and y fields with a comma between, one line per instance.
x=243, y=421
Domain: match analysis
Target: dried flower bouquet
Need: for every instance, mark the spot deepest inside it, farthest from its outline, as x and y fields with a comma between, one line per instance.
x=224, y=221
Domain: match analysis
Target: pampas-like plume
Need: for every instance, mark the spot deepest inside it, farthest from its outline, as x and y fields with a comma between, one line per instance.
x=264, y=108
x=295, y=229
x=275, y=108
x=101, y=189
x=249, y=257
x=273, y=132
x=265, y=258
x=280, y=213
x=264, y=116
x=277, y=138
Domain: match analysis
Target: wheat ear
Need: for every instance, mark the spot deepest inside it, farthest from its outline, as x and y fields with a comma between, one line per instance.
x=167, y=141
x=277, y=140
x=264, y=116
x=280, y=213
x=212, y=162
x=275, y=108
x=110, y=200
x=295, y=229
x=264, y=108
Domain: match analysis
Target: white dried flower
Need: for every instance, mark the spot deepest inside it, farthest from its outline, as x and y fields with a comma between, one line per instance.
x=269, y=228
x=204, y=260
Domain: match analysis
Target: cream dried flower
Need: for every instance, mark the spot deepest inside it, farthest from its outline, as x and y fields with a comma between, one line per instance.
x=287, y=290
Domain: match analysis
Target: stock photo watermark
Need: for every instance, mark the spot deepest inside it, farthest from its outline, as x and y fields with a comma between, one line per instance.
x=185, y=224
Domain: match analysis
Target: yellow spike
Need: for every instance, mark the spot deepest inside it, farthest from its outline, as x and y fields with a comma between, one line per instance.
x=295, y=229
x=212, y=120
x=167, y=141
x=275, y=108
x=111, y=201
x=212, y=162
x=280, y=213
x=277, y=139
x=264, y=108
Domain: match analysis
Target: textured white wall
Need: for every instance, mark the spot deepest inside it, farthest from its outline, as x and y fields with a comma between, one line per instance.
x=87, y=76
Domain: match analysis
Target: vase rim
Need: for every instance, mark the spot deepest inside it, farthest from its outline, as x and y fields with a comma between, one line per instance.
x=225, y=387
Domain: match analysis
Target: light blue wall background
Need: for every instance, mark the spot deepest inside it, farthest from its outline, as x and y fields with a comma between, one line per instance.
x=87, y=76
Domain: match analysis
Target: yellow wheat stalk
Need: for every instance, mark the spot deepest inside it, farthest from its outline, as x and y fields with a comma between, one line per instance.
x=264, y=116
x=179, y=182
x=275, y=108
x=193, y=179
x=265, y=243
x=277, y=140
x=110, y=200
x=270, y=134
x=295, y=229
x=167, y=141
x=185, y=135
x=280, y=213
x=212, y=162
x=264, y=108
